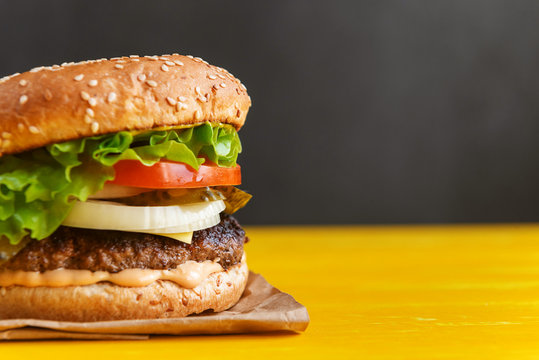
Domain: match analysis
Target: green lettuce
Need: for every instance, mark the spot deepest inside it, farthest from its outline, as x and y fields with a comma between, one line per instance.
x=39, y=187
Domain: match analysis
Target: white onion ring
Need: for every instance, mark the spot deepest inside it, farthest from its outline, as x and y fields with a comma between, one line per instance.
x=104, y=215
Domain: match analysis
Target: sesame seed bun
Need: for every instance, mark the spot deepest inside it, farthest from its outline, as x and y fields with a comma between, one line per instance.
x=48, y=105
x=105, y=301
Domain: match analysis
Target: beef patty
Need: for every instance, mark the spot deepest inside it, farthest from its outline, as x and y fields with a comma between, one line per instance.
x=113, y=251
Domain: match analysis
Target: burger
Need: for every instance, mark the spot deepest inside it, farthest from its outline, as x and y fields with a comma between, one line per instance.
x=117, y=184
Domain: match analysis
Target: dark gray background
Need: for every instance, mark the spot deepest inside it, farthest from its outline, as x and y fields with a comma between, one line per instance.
x=363, y=111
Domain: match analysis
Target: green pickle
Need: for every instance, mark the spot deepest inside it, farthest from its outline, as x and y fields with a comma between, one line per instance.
x=233, y=197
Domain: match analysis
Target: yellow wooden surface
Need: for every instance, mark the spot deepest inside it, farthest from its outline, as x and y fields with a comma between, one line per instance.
x=417, y=292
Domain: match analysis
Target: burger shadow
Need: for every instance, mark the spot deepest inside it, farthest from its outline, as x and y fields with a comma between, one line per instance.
x=254, y=335
x=258, y=335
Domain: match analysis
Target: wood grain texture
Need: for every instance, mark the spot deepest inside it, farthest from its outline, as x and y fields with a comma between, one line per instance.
x=467, y=292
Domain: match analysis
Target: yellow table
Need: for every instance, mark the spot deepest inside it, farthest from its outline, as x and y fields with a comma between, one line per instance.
x=418, y=292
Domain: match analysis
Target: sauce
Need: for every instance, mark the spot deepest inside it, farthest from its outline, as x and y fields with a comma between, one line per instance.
x=188, y=275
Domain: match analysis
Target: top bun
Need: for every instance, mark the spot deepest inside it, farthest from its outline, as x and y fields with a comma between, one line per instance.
x=48, y=105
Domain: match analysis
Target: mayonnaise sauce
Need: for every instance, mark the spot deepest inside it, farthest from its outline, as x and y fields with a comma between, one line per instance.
x=188, y=275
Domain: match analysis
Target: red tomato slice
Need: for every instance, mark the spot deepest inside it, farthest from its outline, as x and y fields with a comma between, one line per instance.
x=170, y=175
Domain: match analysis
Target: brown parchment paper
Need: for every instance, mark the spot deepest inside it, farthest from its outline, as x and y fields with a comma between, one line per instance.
x=262, y=308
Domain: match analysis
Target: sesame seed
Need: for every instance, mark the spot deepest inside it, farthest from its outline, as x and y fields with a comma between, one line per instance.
x=197, y=90
x=79, y=77
x=198, y=114
x=33, y=130
x=48, y=95
x=92, y=102
x=202, y=98
x=23, y=99
x=221, y=76
x=141, y=77
x=151, y=83
x=178, y=62
x=115, y=58
x=198, y=59
x=181, y=106
x=175, y=54
x=243, y=86
x=169, y=63
x=92, y=83
x=152, y=57
x=135, y=59
x=6, y=135
x=189, y=56
x=171, y=101
x=84, y=95
x=182, y=98
x=90, y=112
x=88, y=119
x=119, y=66
x=95, y=127
x=212, y=77
x=164, y=67
x=20, y=126
x=23, y=82
x=112, y=97
x=133, y=56
x=121, y=62
x=223, y=85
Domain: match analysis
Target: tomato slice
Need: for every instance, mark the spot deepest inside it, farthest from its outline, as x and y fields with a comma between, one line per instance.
x=170, y=175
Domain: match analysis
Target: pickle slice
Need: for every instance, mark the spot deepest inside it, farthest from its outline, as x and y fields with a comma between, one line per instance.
x=171, y=197
x=235, y=198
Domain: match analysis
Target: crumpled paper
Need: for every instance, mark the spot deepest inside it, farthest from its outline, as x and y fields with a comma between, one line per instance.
x=262, y=308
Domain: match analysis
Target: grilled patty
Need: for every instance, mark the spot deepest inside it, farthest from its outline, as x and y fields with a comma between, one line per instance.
x=113, y=251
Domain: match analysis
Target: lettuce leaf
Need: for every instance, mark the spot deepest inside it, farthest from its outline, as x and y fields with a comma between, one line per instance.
x=38, y=187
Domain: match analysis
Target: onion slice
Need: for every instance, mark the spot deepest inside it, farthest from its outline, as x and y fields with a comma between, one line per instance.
x=112, y=191
x=104, y=215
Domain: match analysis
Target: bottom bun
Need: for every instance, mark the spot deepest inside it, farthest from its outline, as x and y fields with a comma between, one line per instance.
x=105, y=301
